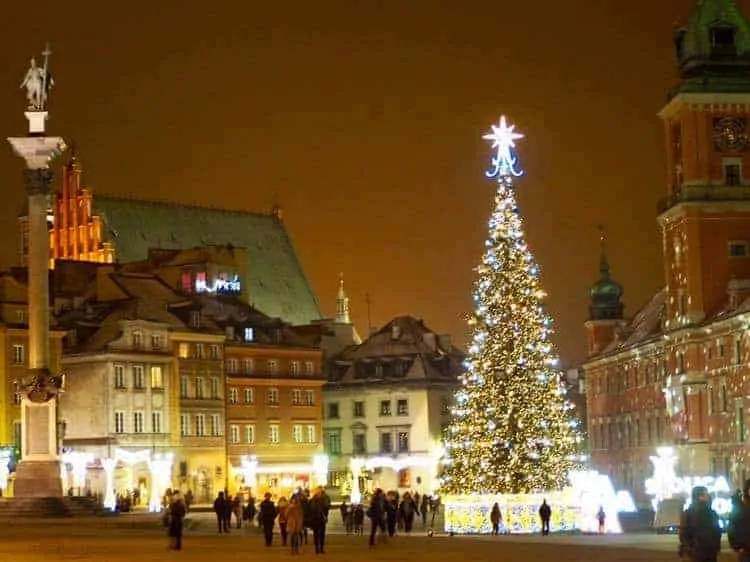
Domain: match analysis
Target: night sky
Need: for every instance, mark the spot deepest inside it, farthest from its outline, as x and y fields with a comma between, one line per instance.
x=363, y=120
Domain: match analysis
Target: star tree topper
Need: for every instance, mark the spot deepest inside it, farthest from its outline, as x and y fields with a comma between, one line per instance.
x=503, y=138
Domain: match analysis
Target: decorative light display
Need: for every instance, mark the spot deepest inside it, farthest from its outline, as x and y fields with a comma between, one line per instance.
x=320, y=468
x=511, y=430
x=161, y=479
x=6, y=455
x=232, y=285
x=110, y=499
x=396, y=464
x=665, y=484
x=79, y=462
x=576, y=507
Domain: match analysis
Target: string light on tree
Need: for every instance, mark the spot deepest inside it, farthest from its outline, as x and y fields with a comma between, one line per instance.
x=512, y=429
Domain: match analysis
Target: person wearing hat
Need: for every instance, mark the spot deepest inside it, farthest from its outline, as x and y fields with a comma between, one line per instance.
x=700, y=532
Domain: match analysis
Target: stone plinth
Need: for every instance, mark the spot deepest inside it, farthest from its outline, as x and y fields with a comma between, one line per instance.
x=38, y=479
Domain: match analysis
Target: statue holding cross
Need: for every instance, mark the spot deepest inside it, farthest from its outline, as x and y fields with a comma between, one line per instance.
x=38, y=82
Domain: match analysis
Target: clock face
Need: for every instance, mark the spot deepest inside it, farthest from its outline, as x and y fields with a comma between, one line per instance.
x=729, y=134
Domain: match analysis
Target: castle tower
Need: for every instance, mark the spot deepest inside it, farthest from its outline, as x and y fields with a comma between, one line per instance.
x=342, y=304
x=605, y=306
x=705, y=218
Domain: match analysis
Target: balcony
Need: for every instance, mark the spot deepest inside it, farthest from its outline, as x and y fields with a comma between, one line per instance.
x=703, y=193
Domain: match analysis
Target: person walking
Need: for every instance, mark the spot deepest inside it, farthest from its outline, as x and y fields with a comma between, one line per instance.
x=295, y=522
x=406, y=512
x=545, y=514
x=177, y=511
x=281, y=508
x=601, y=517
x=739, y=525
x=376, y=513
x=222, y=508
x=320, y=505
x=495, y=519
x=700, y=532
x=267, y=517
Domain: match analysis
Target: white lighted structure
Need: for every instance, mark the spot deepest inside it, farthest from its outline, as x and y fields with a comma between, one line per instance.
x=666, y=484
x=250, y=468
x=161, y=478
x=5, y=456
x=396, y=464
x=159, y=465
x=79, y=463
x=233, y=285
x=110, y=499
x=38, y=473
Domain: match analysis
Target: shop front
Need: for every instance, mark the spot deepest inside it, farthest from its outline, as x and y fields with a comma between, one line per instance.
x=254, y=477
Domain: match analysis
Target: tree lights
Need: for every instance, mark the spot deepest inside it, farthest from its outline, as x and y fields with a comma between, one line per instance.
x=511, y=431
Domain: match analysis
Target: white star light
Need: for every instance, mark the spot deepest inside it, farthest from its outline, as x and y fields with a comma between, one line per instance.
x=503, y=138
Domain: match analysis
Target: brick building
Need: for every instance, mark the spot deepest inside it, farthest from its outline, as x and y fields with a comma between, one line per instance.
x=675, y=374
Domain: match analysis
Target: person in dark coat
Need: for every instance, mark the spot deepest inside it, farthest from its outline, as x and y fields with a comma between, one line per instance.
x=320, y=504
x=407, y=509
x=700, y=531
x=496, y=518
x=424, y=507
x=267, y=517
x=391, y=515
x=739, y=526
x=545, y=514
x=177, y=511
x=376, y=513
x=223, y=511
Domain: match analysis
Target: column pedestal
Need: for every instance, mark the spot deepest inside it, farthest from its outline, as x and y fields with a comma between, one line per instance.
x=38, y=475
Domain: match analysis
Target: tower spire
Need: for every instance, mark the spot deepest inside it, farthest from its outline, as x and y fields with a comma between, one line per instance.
x=342, y=303
x=603, y=262
x=605, y=296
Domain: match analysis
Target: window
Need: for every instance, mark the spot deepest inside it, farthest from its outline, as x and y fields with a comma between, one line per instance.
x=445, y=406
x=738, y=249
x=248, y=365
x=249, y=434
x=195, y=319
x=309, y=398
x=273, y=433
x=732, y=175
x=19, y=354
x=309, y=368
x=184, y=424
x=156, y=422
x=119, y=422
x=234, y=434
x=249, y=396
x=297, y=433
x=200, y=425
x=233, y=395
x=184, y=350
x=296, y=397
x=215, y=394
x=273, y=366
x=740, y=423
x=738, y=351
x=402, y=407
x=137, y=339
x=200, y=351
x=139, y=377
x=214, y=351
x=723, y=397
x=184, y=386
x=186, y=282
x=359, y=444
x=232, y=365
x=333, y=411
x=156, y=342
x=311, y=434
x=17, y=396
x=333, y=443
x=385, y=407
x=138, y=422
x=119, y=376
x=386, y=443
x=199, y=388
x=216, y=428
x=723, y=42
x=294, y=367
x=403, y=441
x=157, y=376
x=273, y=397
x=249, y=334
x=359, y=409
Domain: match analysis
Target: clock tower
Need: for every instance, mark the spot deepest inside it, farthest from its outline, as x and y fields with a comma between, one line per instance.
x=705, y=218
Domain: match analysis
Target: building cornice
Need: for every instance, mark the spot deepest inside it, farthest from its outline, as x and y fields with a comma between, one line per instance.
x=116, y=356
x=706, y=101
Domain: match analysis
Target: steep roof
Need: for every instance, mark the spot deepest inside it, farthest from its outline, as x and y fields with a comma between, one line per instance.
x=276, y=282
x=647, y=323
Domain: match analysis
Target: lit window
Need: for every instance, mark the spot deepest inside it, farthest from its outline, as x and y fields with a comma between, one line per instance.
x=184, y=350
x=296, y=397
x=294, y=367
x=309, y=368
x=184, y=424
x=232, y=365
x=200, y=351
x=157, y=376
x=249, y=396
x=200, y=425
x=273, y=396
x=233, y=395
x=214, y=351
x=249, y=434
x=297, y=433
x=309, y=398
x=248, y=365
x=19, y=354
x=234, y=433
x=249, y=334
x=403, y=441
x=216, y=428
x=402, y=407
x=273, y=433
x=311, y=436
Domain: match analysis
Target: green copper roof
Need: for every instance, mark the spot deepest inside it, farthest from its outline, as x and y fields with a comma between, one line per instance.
x=709, y=14
x=277, y=285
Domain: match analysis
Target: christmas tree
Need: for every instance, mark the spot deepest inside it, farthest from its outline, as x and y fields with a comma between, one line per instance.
x=512, y=429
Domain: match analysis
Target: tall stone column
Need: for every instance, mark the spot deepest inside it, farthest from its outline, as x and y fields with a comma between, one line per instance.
x=38, y=475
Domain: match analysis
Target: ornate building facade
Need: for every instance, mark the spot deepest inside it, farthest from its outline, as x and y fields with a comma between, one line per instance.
x=386, y=405
x=675, y=374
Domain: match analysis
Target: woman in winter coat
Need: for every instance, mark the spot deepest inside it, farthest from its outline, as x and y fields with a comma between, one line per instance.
x=281, y=508
x=294, y=522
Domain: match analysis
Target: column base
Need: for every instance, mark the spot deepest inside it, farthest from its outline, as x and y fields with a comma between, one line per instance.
x=38, y=479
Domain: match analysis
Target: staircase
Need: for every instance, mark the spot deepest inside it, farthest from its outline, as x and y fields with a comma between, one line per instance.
x=49, y=508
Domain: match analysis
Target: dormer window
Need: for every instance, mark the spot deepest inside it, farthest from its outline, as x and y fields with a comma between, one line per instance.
x=722, y=40
x=195, y=319
x=137, y=339
x=249, y=334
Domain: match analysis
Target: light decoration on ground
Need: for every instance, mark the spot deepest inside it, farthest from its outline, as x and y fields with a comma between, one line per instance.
x=161, y=479
x=249, y=471
x=233, y=285
x=512, y=429
x=110, y=499
x=665, y=484
x=79, y=462
x=159, y=466
x=574, y=508
x=6, y=454
x=320, y=468
x=430, y=461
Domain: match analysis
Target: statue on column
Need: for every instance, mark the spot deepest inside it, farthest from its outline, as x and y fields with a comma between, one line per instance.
x=38, y=82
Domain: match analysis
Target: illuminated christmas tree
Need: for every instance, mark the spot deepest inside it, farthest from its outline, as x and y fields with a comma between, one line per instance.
x=512, y=429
